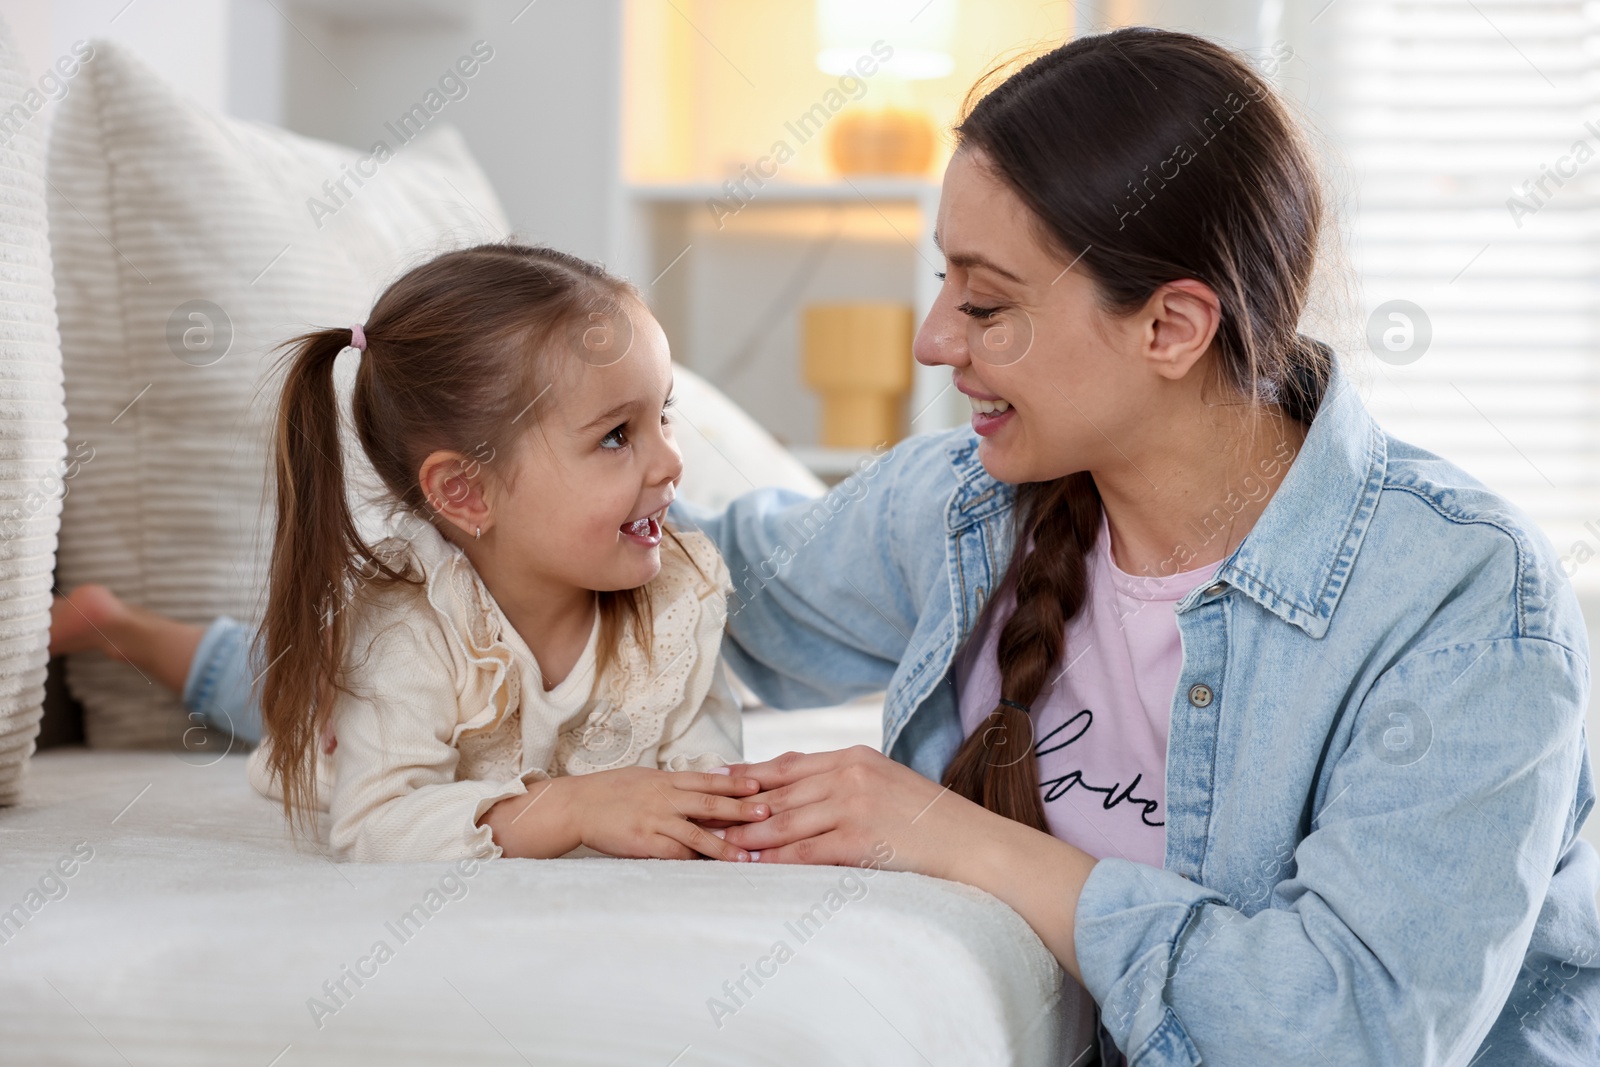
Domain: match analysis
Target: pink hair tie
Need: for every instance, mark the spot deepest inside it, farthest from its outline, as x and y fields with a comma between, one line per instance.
x=358, y=337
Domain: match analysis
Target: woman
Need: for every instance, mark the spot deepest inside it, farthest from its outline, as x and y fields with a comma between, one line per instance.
x=1309, y=790
x=1269, y=724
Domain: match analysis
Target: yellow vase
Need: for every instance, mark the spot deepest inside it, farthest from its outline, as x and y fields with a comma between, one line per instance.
x=858, y=357
x=884, y=141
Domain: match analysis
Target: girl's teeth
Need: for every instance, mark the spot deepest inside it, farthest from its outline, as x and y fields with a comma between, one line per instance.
x=989, y=407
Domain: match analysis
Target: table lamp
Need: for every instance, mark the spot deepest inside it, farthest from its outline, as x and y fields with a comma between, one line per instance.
x=887, y=137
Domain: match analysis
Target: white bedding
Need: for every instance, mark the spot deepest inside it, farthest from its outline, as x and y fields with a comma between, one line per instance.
x=197, y=935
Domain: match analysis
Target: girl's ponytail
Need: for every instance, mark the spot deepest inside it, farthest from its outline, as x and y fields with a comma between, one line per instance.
x=316, y=550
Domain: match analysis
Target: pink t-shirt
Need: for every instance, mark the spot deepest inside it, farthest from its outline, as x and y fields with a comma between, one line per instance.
x=1100, y=731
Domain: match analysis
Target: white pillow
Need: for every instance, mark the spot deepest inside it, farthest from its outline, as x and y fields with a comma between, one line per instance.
x=725, y=451
x=32, y=422
x=158, y=203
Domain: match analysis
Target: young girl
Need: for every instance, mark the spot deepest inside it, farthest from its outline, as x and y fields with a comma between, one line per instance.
x=526, y=661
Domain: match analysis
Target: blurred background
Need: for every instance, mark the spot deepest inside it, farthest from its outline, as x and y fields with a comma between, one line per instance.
x=767, y=170
x=718, y=154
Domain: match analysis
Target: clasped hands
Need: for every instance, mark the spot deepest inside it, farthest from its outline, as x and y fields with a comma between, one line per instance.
x=844, y=807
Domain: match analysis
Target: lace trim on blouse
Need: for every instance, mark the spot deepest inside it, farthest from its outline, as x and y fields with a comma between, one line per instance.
x=638, y=690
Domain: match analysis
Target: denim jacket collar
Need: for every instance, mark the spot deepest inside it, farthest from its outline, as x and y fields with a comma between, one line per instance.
x=978, y=495
x=1327, y=499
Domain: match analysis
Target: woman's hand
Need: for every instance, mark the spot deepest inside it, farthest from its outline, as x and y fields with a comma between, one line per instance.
x=842, y=807
x=635, y=812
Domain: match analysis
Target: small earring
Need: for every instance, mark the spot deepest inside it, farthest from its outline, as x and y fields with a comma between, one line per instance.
x=477, y=533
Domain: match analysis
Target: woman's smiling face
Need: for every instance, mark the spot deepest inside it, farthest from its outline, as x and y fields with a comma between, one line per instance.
x=1055, y=381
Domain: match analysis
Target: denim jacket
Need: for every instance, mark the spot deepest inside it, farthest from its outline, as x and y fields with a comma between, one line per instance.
x=1376, y=768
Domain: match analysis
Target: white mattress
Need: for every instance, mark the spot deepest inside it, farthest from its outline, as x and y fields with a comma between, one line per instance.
x=197, y=935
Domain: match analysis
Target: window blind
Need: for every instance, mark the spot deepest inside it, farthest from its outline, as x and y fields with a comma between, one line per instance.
x=1472, y=132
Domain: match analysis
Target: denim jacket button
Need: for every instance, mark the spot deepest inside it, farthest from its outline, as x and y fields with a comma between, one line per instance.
x=1200, y=695
x=1213, y=590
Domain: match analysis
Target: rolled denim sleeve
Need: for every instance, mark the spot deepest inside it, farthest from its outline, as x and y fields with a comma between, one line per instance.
x=1405, y=917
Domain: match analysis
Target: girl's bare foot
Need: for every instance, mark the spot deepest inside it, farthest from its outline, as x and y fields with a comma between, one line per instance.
x=86, y=618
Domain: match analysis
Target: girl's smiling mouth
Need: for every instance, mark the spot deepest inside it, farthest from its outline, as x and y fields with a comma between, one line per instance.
x=645, y=532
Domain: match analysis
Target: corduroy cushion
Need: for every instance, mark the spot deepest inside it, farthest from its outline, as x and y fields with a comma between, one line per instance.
x=33, y=462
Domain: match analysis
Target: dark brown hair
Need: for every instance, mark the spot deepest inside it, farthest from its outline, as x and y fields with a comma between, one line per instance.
x=1147, y=156
x=456, y=351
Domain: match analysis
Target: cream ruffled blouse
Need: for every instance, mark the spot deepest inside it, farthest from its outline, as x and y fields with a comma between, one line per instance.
x=448, y=714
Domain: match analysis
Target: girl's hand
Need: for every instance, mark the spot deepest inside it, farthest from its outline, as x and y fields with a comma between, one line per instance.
x=845, y=807
x=641, y=812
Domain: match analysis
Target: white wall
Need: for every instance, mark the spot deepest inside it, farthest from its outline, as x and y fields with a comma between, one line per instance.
x=258, y=35
x=542, y=116
x=187, y=40
x=227, y=54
